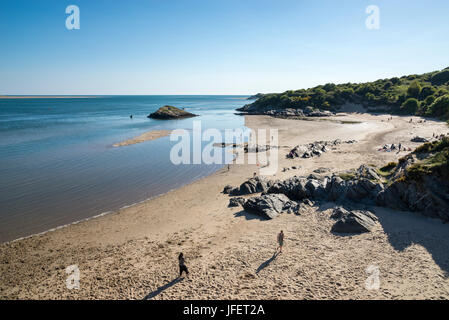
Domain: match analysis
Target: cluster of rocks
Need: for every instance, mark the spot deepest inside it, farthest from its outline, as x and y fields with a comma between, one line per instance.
x=291, y=168
x=364, y=181
x=253, y=185
x=286, y=112
x=307, y=112
x=270, y=205
x=236, y=201
x=247, y=148
x=429, y=196
x=362, y=187
x=315, y=149
x=419, y=139
x=257, y=148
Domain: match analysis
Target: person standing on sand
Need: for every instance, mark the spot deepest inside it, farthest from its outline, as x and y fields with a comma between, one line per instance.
x=280, y=241
x=182, y=266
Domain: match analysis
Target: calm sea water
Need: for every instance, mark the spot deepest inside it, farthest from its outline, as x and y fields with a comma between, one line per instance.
x=57, y=163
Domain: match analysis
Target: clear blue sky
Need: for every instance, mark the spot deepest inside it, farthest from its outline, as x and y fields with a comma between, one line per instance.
x=214, y=46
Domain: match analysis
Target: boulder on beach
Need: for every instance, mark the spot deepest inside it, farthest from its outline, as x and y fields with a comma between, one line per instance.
x=353, y=221
x=419, y=139
x=227, y=189
x=269, y=206
x=253, y=185
x=313, y=112
x=285, y=113
x=170, y=112
x=321, y=170
x=314, y=149
x=237, y=201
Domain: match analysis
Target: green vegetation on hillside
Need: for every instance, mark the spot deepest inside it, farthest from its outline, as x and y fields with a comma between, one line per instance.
x=424, y=95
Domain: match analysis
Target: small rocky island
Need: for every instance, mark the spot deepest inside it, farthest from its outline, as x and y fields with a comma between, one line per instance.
x=170, y=112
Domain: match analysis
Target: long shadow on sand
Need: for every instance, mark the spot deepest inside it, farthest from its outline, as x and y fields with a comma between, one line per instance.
x=407, y=228
x=404, y=229
x=267, y=263
x=163, y=288
x=249, y=216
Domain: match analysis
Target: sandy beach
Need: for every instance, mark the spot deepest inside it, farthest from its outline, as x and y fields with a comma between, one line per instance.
x=132, y=253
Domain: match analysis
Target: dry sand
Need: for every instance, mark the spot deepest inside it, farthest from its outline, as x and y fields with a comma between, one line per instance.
x=132, y=254
x=147, y=136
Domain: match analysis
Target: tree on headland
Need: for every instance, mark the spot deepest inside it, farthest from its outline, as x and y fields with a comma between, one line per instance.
x=411, y=105
x=414, y=89
x=440, y=107
x=441, y=77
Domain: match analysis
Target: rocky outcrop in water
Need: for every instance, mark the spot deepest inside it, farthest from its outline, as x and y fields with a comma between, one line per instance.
x=170, y=112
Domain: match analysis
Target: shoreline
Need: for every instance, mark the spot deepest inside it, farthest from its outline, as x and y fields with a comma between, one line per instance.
x=100, y=215
x=129, y=253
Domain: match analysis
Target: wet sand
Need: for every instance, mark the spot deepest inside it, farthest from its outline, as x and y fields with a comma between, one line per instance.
x=147, y=136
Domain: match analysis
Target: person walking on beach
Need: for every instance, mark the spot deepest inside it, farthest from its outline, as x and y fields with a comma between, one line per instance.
x=182, y=266
x=280, y=241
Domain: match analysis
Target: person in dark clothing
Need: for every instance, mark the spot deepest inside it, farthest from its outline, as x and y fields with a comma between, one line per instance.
x=280, y=241
x=182, y=266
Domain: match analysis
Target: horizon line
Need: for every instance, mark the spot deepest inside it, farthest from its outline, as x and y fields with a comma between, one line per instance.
x=125, y=94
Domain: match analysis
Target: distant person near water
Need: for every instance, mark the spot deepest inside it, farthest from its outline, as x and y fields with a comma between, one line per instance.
x=182, y=266
x=280, y=241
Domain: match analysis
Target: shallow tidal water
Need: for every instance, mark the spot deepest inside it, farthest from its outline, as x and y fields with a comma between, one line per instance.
x=58, y=166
